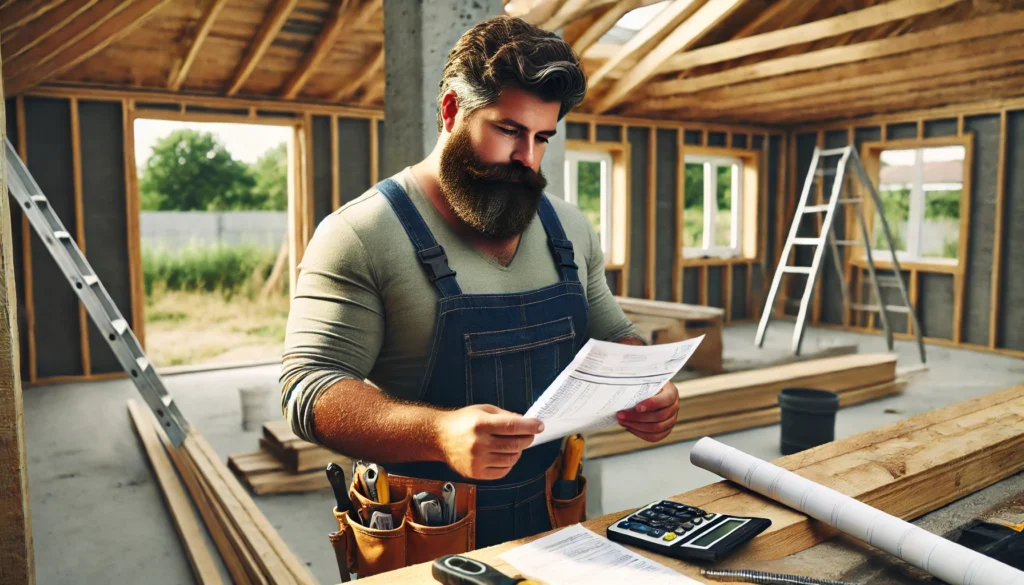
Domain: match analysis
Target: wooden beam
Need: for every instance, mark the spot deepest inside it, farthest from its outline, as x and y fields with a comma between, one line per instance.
x=20, y=13
x=374, y=152
x=133, y=210
x=768, y=16
x=109, y=30
x=997, y=246
x=26, y=250
x=325, y=41
x=652, y=212
x=602, y=25
x=674, y=14
x=16, y=554
x=568, y=12
x=373, y=93
x=943, y=35
x=803, y=33
x=540, y=11
x=271, y=26
x=185, y=520
x=37, y=31
x=335, y=164
x=369, y=73
x=76, y=173
x=681, y=38
x=195, y=43
x=680, y=223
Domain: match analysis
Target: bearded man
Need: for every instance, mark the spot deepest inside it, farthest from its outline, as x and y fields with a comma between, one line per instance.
x=432, y=311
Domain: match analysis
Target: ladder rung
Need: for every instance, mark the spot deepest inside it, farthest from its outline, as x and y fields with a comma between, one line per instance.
x=897, y=309
x=119, y=325
x=848, y=242
x=876, y=308
x=62, y=235
x=887, y=281
x=807, y=241
x=37, y=199
x=815, y=208
x=851, y=200
x=825, y=172
x=833, y=151
x=143, y=363
x=796, y=269
x=91, y=280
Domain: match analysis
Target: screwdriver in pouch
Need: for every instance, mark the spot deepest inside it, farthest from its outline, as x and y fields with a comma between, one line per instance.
x=460, y=570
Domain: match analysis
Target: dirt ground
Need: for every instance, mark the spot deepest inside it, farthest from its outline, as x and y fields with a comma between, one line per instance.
x=191, y=328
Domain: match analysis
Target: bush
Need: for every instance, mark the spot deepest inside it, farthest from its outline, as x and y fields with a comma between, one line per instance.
x=208, y=268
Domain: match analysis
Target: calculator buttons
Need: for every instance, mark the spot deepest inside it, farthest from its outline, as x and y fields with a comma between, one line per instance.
x=642, y=529
x=659, y=509
x=697, y=521
x=687, y=525
x=680, y=531
x=665, y=517
x=670, y=536
x=674, y=505
x=639, y=520
x=625, y=525
x=657, y=532
x=648, y=514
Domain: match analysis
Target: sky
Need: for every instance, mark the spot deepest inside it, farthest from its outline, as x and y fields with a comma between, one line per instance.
x=245, y=142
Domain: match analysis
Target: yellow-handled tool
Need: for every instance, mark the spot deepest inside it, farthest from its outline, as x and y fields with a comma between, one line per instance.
x=567, y=486
x=460, y=570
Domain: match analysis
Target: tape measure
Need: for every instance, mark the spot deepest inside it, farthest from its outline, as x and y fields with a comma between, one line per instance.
x=460, y=570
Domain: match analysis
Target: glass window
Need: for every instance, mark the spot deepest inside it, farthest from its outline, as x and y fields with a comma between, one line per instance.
x=920, y=190
x=712, y=203
x=588, y=186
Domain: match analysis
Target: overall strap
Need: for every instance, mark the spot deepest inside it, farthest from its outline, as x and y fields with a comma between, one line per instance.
x=561, y=248
x=430, y=253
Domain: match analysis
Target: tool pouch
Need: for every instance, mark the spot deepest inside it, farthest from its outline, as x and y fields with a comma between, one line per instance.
x=566, y=512
x=366, y=551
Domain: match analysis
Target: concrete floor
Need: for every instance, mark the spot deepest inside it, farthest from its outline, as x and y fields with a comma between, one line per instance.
x=97, y=514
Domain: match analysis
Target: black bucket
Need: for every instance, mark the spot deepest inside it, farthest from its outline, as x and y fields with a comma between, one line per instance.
x=808, y=418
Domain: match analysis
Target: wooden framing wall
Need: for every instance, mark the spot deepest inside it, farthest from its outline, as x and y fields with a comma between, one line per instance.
x=655, y=267
x=976, y=303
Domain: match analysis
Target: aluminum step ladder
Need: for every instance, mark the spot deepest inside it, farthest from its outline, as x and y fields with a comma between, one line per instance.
x=23, y=187
x=845, y=158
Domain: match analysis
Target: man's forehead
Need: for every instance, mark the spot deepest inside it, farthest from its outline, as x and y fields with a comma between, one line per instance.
x=525, y=110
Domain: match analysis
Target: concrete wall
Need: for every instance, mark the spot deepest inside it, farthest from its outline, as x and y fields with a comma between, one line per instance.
x=936, y=294
x=180, y=228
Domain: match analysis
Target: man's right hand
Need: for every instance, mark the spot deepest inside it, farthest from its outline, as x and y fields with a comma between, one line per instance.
x=483, y=441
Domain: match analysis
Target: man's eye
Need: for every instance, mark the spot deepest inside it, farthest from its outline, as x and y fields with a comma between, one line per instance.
x=508, y=131
x=542, y=139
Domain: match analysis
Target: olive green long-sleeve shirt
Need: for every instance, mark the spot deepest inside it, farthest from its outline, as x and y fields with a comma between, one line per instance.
x=364, y=308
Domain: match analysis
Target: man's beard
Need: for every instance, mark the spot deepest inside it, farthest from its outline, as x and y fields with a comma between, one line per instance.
x=497, y=200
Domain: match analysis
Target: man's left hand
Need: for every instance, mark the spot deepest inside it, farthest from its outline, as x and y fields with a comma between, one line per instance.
x=652, y=420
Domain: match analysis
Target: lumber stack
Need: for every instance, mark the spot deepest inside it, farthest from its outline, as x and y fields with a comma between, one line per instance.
x=663, y=322
x=252, y=551
x=741, y=400
x=906, y=469
x=284, y=463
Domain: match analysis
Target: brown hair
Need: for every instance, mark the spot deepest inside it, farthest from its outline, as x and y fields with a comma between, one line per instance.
x=505, y=51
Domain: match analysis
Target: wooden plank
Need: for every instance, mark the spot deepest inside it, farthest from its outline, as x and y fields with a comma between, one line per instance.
x=194, y=44
x=253, y=462
x=645, y=39
x=997, y=246
x=268, y=31
x=32, y=33
x=680, y=221
x=110, y=28
x=251, y=572
x=335, y=166
x=540, y=11
x=16, y=549
x=603, y=24
x=652, y=213
x=681, y=38
x=618, y=440
x=25, y=11
x=324, y=43
x=26, y=251
x=374, y=152
x=185, y=520
x=906, y=469
x=667, y=309
x=799, y=34
x=942, y=35
x=76, y=171
x=568, y=12
x=965, y=225
x=369, y=74
x=135, y=278
x=287, y=482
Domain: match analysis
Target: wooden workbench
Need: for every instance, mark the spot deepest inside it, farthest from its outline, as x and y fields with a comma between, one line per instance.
x=907, y=469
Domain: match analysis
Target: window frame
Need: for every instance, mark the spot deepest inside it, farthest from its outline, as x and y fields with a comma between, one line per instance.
x=871, y=158
x=616, y=252
x=746, y=201
x=572, y=159
x=709, y=249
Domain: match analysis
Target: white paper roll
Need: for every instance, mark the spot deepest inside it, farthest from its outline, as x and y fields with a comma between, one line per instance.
x=938, y=556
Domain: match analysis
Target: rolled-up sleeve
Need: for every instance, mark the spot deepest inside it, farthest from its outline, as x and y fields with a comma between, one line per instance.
x=335, y=322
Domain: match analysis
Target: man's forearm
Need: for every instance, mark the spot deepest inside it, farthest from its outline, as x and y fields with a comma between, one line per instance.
x=357, y=419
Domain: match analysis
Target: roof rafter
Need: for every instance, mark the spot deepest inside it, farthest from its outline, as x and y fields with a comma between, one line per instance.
x=271, y=26
x=340, y=16
x=603, y=24
x=32, y=33
x=194, y=44
x=19, y=13
x=371, y=72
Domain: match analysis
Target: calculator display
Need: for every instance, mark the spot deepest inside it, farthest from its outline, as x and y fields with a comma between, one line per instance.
x=723, y=529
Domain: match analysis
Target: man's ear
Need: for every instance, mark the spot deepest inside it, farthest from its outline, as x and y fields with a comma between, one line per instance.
x=449, y=109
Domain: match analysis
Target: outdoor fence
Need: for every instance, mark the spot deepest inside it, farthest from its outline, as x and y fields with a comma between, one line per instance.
x=175, y=229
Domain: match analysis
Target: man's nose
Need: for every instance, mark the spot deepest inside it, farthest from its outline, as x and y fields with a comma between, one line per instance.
x=525, y=154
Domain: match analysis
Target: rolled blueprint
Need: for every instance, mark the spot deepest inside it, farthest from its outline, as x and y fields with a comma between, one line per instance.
x=942, y=558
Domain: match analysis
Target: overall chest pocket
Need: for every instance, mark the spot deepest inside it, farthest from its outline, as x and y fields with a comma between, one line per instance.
x=512, y=367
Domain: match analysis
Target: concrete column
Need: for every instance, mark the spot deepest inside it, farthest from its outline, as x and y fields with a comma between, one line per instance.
x=418, y=34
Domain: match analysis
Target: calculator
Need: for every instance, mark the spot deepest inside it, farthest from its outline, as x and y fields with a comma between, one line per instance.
x=685, y=532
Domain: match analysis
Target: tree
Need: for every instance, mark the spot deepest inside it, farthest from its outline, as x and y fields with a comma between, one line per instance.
x=271, y=174
x=191, y=170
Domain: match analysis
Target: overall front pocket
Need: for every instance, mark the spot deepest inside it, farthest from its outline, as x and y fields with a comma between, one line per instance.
x=510, y=368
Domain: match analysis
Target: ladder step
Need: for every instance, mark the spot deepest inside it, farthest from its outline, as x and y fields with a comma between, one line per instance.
x=91, y=280
x=807, y=241
x=887, y=281
x=815, y=208
x=143, y=363
x=62, y=235
x=876, y=308
x=833, y=151
x=825, y=173
x=39, y=200
x=796, y=269
x=850, y=200
x=848, y=242
x=119, y=325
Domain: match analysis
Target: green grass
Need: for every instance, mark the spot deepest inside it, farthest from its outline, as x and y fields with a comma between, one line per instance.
x=229, y=270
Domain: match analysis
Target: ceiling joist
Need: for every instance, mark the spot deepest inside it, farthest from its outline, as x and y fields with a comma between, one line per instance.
x=268, y=30
x=20, y=13
x=602, y=25
x=369, y=74
x=341, y=14
x=195, y=43
x=37, y=31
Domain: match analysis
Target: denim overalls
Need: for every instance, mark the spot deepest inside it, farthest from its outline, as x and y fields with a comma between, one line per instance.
x=500, y=349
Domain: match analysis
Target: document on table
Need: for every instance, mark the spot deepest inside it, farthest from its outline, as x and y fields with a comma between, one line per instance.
x=577, y=556
x=603, y=379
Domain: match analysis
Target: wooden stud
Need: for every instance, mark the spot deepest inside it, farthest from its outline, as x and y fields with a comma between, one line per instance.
x=321, y=47
x=652, y=212
x=703, y=287
x=26, y=251
x=965, y=230
x=849, y=230
x=309, y=220
x=138, y=293
x=680, y=223
x=997, y=246
x=914, y=293
x=624, y=141
x=268, y=31
x=762, y=211
x=194, y=44
x=592, y=131
x=727, y=292
x=784, y=214
x=374, y=152
x=76, y=171
x=335, y=171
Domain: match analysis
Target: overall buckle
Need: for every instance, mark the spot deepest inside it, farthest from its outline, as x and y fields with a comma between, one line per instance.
x=436, y=263
x=563, y=251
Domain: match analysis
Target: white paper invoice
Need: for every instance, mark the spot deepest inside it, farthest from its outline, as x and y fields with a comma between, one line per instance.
x=603, y=379
x=577, y=556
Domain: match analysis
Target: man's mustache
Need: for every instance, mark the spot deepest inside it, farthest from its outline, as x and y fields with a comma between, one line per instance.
x=508, y=173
